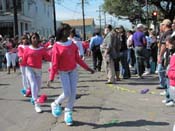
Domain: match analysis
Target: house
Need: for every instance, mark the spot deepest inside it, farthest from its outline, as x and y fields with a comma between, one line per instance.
x=78, y=25
x=33, y=16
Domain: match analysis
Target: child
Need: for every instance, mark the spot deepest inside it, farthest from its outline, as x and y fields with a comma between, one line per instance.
x=24, y=44
x=32, y=58
x=171, y=70
x=48, y=47
x=77, y=41
x=11, y=55
x=65, y=57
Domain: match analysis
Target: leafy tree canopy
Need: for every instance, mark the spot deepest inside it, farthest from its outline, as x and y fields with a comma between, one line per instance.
x=135, y=9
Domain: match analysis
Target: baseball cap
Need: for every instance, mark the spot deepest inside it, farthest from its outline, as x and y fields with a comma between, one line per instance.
x=166, y=22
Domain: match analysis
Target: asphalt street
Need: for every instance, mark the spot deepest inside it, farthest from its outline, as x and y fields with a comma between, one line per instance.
x=98, y=106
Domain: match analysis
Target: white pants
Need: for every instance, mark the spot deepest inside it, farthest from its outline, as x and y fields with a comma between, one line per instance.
x=25, y=81
x=69, y=84
x=11, y=58
x=34, y=76
x=172, y=92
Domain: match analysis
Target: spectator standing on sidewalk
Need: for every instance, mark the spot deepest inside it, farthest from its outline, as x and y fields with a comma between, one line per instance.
x=94, y=46
x=124, y=53
x=167, y=31
x=1, y=52
x=107, y=55
x=131, y=55
x=11, y=55
x=173, y=27
x=73, y=36
x=140, y=45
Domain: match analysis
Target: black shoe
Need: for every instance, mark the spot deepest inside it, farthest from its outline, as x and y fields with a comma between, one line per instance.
x=109, y=82
x=160, y=88
x=140, y=77
x=99, y=70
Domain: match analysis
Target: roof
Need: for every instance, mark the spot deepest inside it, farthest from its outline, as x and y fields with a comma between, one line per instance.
x=79, y=22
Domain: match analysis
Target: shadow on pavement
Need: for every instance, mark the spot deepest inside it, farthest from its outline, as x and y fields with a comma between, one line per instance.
x=92, y=80
x=137, y=83
x=51, y=87
x=96, y=107
x=83, y=86
x=137, y=123
x=4, y=84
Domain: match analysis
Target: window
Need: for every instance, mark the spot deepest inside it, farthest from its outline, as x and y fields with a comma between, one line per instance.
x=9, y=5
x=1, y=5
x=26, y=26
x=21, y=24
x=19, y=5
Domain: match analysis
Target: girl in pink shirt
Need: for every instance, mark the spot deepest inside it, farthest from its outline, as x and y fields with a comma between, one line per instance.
x=171, y=71
x=65, y=57
x=24, y=44
x=32, y=58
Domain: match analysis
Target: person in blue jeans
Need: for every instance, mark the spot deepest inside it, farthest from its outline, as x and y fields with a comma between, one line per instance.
x=124, y=53
x=139, y=44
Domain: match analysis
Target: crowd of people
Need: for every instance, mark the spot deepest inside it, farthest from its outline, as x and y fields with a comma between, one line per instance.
x=141, y=51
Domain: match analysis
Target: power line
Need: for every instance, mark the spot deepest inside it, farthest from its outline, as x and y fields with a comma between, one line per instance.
x=74, y=11
x=100, y=19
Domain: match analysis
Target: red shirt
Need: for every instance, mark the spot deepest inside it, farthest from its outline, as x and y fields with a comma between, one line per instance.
x=33, y=57
x=65, y=57
x=21, y=49
x=171, y=71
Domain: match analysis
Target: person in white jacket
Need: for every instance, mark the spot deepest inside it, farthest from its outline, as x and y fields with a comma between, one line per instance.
x=77, y=41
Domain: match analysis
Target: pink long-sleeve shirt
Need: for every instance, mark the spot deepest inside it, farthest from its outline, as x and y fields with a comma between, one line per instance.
x=65, y=57
x=171, y=71
x=33, y=57
x=21, y=49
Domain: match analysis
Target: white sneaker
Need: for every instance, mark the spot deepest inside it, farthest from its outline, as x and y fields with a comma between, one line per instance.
x=163, y=93
x=171, y=103
x=147, y=72
x=56, y=109
x=38, y=108
x=164, y=101
x=156, y=72
x=68, y=118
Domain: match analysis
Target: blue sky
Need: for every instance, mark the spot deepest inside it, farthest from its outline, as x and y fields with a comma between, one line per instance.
x=71, y=9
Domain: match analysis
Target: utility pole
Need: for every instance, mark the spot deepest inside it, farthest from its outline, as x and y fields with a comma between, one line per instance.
x=15, y=13
x=84, y=29
x=111, y=21
x=100, y=10
x=147, y=12
x=105, y=17
x=54, y=17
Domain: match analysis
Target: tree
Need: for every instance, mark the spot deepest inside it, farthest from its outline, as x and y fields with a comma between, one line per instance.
x=135, y=9
x=167, y=7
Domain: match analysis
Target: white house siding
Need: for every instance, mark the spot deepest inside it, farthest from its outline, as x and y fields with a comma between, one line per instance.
x=35, y=16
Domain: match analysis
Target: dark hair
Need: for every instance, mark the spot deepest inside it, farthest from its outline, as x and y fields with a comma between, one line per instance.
x=52, y=37
x=16, y=37
x=121, y=27
x=61, y=31
x=130, y=31
x=171, y=40
x=97, y=32
x=73, y=31
x=36, y=34
x=109, y=27
x=24, y=37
